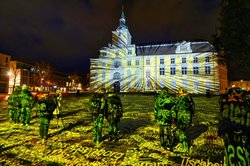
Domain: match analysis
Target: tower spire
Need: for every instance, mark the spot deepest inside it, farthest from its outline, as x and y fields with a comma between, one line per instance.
x=122, y=15
x=122, y=20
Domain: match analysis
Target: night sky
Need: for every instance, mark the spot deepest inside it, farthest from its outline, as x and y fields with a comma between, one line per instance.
x=66, y=33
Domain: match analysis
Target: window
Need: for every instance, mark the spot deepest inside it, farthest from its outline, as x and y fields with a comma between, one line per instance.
x=162, y=84
x=147, y=74
x=173, y=85
x=117, y=64
x=103, y=64
x=196, y=85
x=129, y=73
x=148, y=84
x=184, y=70
x=172, y=71
x=207, y=59
x=128, y=84
x=129, y=52
x=117, y=76
x=117, y=53
x=184, y=83
x=96, y=76
x=137, y=73
x=196, y=60
x=162, y=71
x=103, y=75
x=104, y=54
x=147, y=61
x=172, y=61
x=137, y=62
x=129, y=62
x=161, y=61
x=207, y=70
x=184, y=60
x=208, y=85
x=195, y=70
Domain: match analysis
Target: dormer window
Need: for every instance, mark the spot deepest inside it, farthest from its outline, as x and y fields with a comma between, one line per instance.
x=183, y=48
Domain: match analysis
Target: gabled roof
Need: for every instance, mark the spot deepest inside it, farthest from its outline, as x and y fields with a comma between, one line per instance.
x=165, y=49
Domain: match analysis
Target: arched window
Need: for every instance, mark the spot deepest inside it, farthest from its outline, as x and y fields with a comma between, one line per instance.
x=117, y=76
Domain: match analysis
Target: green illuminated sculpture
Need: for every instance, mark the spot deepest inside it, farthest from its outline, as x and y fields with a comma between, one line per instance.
x=14, y=105
x=165, y=116
x=27, y=102
x=184, y=111
x=97, y=106
x=114, y=113
x=45, y=106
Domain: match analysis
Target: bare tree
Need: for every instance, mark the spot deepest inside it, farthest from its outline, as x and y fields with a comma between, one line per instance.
x=44, y=71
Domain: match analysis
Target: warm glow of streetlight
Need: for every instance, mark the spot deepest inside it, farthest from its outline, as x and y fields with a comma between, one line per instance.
x=9, y=73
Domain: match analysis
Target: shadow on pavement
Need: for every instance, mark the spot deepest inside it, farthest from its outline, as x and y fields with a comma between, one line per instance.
x=70, y=126
x=129, y=125
x=195, y=131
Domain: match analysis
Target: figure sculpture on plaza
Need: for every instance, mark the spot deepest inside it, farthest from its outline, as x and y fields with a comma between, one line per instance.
x=184, y=113
x=165, y=117
x=27, y=102
x=114, y=113
x=98, y=106
x=234, y=126
x=58, y=97
x=14, y=105
x=45, y=106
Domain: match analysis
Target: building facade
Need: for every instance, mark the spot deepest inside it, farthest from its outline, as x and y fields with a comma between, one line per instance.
x=34, y=76
x=4, y=69
x=191, y=65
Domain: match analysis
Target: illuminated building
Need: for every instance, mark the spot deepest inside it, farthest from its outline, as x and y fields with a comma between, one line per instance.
x=191, y=65
x=4, y=68
x=31, y=75
x=245, y=84
x=22, y=74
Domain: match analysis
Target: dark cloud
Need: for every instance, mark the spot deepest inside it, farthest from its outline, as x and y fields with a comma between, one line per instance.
x=67, y=33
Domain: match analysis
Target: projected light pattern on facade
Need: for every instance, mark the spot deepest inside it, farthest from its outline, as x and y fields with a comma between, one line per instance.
x=190, y=65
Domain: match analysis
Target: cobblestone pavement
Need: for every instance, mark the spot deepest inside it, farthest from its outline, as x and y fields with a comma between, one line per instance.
x=138, y=142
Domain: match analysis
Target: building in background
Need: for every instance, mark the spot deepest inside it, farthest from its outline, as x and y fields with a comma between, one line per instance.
x=191, y=65
x=36, y=76
x=4, y=69
x=245, y=84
